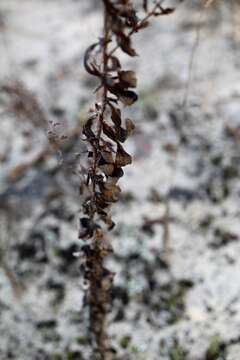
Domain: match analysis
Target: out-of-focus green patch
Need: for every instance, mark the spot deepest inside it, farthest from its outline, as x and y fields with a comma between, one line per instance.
x=82, y=340
x=173, y=350
x=51, y=336
x=148, y=105
x=125, y=341
x=177, y=354
x=74, y=355
x=171, y=301
x=57, y=356
x=134, y=349
x=215, y=349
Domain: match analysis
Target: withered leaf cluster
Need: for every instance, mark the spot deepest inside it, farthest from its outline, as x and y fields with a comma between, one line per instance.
x=106, y=130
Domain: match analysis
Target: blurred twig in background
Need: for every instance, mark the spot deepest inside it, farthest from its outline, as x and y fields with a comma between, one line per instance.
x=166, y=234
x=22, y=103
x=207, y=3
x=6, y=225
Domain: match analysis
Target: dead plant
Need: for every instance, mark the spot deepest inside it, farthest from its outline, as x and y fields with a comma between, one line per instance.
x=104, y=132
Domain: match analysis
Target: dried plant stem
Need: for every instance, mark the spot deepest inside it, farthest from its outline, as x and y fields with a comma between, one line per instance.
x=105, y=131
x=99, y=297
x=103, y=98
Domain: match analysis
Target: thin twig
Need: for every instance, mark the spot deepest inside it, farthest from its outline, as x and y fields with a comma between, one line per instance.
x=139, y=25
x=191, y=62
x=166, y=234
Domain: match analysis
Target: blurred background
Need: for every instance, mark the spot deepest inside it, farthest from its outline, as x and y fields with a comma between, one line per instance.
x=176, y=291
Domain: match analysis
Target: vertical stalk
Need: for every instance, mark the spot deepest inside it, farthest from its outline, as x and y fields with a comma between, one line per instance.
x=103, y=101
x=99, y=277
x=99, y=300
x=120, y=23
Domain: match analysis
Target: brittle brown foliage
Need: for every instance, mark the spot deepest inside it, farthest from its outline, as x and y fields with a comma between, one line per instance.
x=105, y=132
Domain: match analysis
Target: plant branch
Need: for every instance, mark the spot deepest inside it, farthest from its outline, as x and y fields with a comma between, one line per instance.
x=140, y=24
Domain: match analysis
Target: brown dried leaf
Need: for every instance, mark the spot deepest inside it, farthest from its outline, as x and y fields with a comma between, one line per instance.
x=166, y=11
x=111, y=181
x=101, y=204
x=128, y=97
x=116, y=116
x=116, y=134
x=88, y=64
x=118, y=172
x=107, y=156
x=112, y=194
x=111, y=224
x=128, y=78
x=114, y=64
x=127, y=11
x=109, y=131
x=125, y=44
x=105, y=167
x=86, y=228
x=121, y=134
x=129, y=126
x=122, y=157
x=87, y=129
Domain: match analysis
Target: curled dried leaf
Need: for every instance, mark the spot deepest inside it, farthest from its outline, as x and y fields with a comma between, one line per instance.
x=121, y=134
x=163, y=11
x=111, y=224
x=102, y=205
x=111, y=181
x=111, y=194
x=106, y=217
x=105, y=167
x=87, y=250
x=107, y=156
x=129, y=126
x=128, y=97
x=114, y=64
x=109, y=131
x=86, y=228
x=88, y=63
x=128, y=78
x=87, y=130
x=125, y=44
x=118, y=172
x=116, y=116
x=127, y=11
x=103, y=244
x=122, y=157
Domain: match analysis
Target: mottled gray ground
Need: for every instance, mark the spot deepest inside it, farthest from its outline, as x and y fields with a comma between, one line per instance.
x=180, y=199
